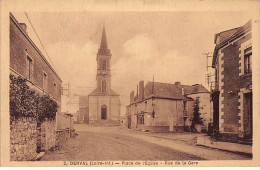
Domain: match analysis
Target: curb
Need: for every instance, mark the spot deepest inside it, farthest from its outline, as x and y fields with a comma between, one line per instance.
x=225, y=146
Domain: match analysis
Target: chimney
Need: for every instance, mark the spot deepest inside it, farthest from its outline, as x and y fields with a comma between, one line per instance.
x=141, y=90
x=24, y=27
x=132, y=97
x=137, y=95
x=177, y=83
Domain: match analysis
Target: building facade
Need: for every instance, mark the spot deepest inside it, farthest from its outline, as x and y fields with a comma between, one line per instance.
x=27, y=61
x=232, y=92
x=28, y=136
x=163, y=107
x=103, y=102
x=83, y=116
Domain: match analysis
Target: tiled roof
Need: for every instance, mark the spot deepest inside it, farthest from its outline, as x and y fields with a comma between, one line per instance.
x=222, y=36
x=171, y=91
x=194, y=89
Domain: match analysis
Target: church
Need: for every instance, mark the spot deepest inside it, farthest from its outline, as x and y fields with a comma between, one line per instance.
x=103, y=102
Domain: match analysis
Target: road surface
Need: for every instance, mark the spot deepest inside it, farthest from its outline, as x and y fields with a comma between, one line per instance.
x=110, y=143
x=90, y=146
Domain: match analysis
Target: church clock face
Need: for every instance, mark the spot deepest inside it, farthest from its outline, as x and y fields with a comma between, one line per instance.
x=104, y=75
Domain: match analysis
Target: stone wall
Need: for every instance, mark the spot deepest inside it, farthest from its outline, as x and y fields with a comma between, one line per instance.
x=23, y=139
x=62, y=135
x=63, y=121
x=26, y=139
x=48, y=134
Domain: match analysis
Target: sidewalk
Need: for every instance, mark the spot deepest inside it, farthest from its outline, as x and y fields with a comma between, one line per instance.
x=226, y=146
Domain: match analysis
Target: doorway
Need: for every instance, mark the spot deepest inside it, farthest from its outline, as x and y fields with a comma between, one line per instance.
x=104, y=112
x=248, y=115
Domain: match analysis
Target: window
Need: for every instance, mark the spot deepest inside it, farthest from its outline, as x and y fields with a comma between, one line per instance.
x=103, y=86
x=29, y=67
x=140, y=119
x=248, y=60
x=104, y=65
x=184, y=105
x=55, y=89
x=45, y=81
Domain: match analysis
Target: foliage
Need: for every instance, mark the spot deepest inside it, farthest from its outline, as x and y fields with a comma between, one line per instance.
x=47, y=108
x=196, y=119
x=24, y=102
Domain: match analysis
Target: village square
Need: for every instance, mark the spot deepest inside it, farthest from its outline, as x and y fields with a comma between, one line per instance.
x=120, y=87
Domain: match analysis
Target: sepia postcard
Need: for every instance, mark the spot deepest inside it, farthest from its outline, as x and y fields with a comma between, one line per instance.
x=130, y=83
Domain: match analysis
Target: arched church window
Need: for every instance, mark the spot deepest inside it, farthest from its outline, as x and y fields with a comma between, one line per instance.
x=103, y=86
x=104, y=66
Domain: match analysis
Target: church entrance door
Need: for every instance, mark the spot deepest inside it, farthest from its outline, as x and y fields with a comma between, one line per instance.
x=104, y=112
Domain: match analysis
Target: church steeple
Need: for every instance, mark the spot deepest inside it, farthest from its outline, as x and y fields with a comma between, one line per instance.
x=103, y=66
x=103, y=50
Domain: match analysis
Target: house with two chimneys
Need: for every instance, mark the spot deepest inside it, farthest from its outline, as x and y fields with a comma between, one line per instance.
x=164, y=107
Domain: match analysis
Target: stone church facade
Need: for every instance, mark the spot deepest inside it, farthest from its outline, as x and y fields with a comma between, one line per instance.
x=103, y=102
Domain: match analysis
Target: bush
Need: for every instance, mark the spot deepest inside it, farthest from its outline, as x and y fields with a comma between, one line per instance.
x=24, y=102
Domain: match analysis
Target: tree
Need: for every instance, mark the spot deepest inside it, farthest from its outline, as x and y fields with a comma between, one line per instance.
x=196, y=119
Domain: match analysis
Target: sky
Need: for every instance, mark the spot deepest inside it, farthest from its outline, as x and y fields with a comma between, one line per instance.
x=166, y=45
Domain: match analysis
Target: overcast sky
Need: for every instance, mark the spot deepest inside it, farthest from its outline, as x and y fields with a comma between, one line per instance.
x=168, y=45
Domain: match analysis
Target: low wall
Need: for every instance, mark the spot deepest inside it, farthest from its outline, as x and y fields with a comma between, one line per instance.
x=161, y=128
x=26, y=139
x=62, y=135
x=48, y=134
x=23, y=139
x=64, y=121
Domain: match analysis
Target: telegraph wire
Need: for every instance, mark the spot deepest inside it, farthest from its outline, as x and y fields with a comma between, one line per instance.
x=39, y=39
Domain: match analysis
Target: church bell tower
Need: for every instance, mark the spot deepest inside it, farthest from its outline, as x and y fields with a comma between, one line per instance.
x=103, y=66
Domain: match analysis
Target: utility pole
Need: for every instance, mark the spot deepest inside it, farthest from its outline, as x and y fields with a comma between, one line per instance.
x=153, y=113
x=66, y=89
x=208, y=76
x=208, y=55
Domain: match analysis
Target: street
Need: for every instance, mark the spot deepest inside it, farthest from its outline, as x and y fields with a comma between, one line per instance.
x=114, y=143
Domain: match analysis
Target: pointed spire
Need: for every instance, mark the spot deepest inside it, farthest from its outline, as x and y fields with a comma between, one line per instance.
x=103, y=50
x=103, y=44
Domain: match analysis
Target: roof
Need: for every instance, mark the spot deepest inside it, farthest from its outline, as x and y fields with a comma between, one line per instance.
x=171, y=91
x=163, y=90
x=103, y=50
x=95, y=93
x=194, y=89
x=220, y=37
x=223, y=38
x=17, y=24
